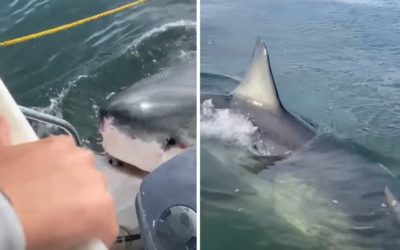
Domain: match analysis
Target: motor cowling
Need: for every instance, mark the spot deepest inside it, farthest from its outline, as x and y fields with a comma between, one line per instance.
x=166, y=205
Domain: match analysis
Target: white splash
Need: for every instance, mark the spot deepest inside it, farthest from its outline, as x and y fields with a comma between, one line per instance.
x=54, y=108
x=226, y=125
x=109, y=95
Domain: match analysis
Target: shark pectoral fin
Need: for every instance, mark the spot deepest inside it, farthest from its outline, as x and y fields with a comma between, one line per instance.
x=265, y=162
x=258, y=86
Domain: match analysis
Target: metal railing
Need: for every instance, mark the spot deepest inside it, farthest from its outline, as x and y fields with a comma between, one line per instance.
x=34, y=115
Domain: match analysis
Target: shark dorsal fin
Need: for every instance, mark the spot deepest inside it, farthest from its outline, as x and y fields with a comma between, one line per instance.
x=258, y=86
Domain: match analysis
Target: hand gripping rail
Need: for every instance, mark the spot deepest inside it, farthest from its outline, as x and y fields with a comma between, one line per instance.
x=21, y=132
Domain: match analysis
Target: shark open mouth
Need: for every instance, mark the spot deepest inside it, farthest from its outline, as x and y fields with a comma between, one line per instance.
x=135, y=152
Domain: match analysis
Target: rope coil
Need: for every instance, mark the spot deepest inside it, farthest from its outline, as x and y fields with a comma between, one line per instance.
x=71, y=25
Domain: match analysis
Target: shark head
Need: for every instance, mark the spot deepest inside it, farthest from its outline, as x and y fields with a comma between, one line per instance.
x=153, y=120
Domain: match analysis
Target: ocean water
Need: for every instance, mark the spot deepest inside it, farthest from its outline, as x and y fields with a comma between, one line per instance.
x=71, y=74
x=336, y=64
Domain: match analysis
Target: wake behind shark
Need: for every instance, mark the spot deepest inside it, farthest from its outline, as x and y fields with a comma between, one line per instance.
x=320, y=186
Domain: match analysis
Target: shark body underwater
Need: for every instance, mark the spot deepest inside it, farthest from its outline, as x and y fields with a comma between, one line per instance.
x=313, y=191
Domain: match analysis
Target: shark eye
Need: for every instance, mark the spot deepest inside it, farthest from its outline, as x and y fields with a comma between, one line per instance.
x=170, y=142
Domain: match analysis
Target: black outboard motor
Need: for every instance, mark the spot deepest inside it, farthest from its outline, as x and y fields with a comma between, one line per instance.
x=166, y=205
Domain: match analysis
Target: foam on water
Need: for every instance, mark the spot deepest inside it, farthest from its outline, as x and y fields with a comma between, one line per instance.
x=13, y=3
x=164, y=27
x=235, y=129
x=226, y=125
x=54, y=108
x=30, y=7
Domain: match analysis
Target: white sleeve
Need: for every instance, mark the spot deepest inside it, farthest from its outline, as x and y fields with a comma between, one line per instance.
x=11, y=232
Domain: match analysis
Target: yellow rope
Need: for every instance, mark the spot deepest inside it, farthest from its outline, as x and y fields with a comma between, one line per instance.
x=70, y=25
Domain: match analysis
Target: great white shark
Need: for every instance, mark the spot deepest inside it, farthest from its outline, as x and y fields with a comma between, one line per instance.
x=324, y=188
x=153, y=120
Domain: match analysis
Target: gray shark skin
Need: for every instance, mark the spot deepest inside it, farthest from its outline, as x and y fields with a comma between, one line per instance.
x=258, y=97
x=153, y=119
x=326, y=191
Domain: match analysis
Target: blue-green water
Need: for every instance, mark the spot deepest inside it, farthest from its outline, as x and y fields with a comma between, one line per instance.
x=71, y=74
x=337, y=64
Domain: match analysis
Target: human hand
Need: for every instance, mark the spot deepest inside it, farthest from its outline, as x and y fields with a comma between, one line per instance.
x=59, y=196
x=5, y=132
